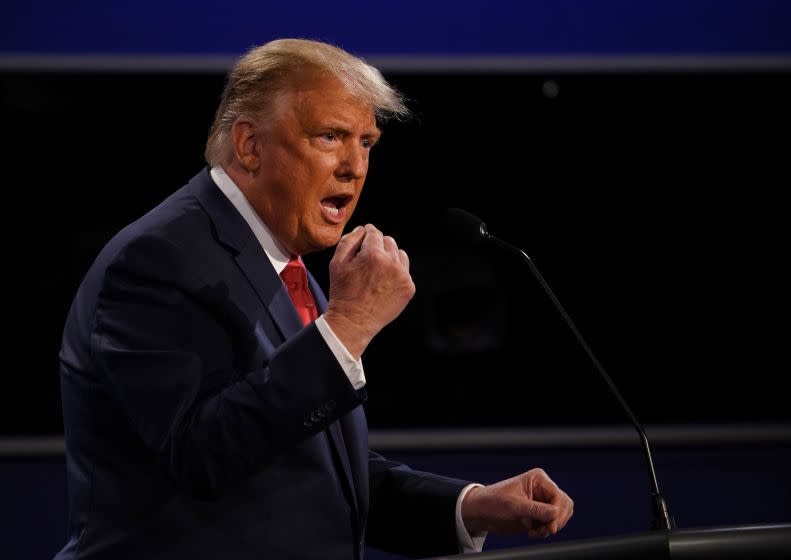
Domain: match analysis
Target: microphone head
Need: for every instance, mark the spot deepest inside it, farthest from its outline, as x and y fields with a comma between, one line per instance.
x=463, y=227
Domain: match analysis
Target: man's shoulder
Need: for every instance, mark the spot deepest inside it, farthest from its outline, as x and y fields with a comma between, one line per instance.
x=179, y=211
x=179, y=221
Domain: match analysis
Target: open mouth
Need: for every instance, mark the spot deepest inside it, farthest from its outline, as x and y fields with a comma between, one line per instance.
x=334, y=206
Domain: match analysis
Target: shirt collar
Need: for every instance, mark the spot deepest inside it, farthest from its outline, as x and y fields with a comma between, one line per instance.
x=278, y=255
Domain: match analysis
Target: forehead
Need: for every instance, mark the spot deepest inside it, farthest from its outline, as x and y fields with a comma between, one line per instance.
x=314, y=99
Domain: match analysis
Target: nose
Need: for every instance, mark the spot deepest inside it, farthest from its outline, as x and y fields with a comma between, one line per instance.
x=353, y=163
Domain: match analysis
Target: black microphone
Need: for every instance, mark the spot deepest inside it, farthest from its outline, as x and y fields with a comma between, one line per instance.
x=466, y=227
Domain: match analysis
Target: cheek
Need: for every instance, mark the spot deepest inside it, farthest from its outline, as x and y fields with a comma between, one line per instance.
x=312, y=173
x=325, y=164
x=281, y=171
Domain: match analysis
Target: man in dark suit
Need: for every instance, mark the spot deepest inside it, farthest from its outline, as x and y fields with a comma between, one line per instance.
x=211, y=393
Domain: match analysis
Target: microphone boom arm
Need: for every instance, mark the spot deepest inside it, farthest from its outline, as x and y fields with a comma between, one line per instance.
x=662, y=519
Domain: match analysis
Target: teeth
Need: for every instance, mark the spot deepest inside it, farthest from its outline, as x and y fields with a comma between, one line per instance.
x=331, y=209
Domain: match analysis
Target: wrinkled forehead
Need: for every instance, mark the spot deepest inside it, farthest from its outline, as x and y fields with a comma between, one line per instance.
x=315, y=95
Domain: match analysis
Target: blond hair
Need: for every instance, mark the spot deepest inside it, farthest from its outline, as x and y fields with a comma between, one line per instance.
x=260, y=76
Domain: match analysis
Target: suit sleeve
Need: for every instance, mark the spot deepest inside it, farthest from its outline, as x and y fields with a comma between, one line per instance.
x=411, y=512
x=168, y=359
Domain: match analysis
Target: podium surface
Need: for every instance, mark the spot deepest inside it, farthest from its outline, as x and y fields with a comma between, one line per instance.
x=727, y=542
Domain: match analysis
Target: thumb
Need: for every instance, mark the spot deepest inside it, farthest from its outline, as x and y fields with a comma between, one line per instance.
x=349, y=244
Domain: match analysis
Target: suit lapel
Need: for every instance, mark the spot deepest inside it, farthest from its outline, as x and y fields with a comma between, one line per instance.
x=259, y=272
x=233, y=232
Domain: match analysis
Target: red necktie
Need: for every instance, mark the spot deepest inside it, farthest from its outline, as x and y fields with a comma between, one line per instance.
x=295, y=278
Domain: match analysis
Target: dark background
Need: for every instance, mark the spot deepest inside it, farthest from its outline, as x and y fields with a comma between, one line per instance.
x=652, y=202
x=638, y=151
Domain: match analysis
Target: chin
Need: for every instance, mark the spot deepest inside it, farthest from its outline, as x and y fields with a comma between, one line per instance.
x=326, y=239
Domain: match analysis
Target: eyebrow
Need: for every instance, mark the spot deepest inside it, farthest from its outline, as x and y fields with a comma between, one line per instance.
x=375, y=135
x=372, y=134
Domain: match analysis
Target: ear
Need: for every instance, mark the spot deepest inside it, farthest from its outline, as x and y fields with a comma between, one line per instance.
x=245, y=145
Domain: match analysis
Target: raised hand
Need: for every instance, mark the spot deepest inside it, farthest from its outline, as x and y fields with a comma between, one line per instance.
x=370, y=285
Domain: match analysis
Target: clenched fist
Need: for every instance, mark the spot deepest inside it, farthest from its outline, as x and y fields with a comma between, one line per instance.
x=370, y=286
x=530, y=502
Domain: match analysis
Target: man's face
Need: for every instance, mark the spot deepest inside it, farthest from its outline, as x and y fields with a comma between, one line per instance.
x=313, y=163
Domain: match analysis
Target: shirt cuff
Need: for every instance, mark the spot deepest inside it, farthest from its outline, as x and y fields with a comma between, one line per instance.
x=467, y=543
x=351, y=367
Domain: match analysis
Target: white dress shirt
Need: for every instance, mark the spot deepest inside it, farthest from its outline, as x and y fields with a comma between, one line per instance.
x=279, y=257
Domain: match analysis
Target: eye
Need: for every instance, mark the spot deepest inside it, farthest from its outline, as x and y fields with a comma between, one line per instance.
x=367, y=143
x=329, y=136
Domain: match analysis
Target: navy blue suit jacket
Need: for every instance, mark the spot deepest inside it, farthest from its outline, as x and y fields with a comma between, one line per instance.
x=202, y=420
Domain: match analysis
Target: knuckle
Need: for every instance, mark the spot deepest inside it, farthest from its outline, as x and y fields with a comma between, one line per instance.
x=380, y=257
